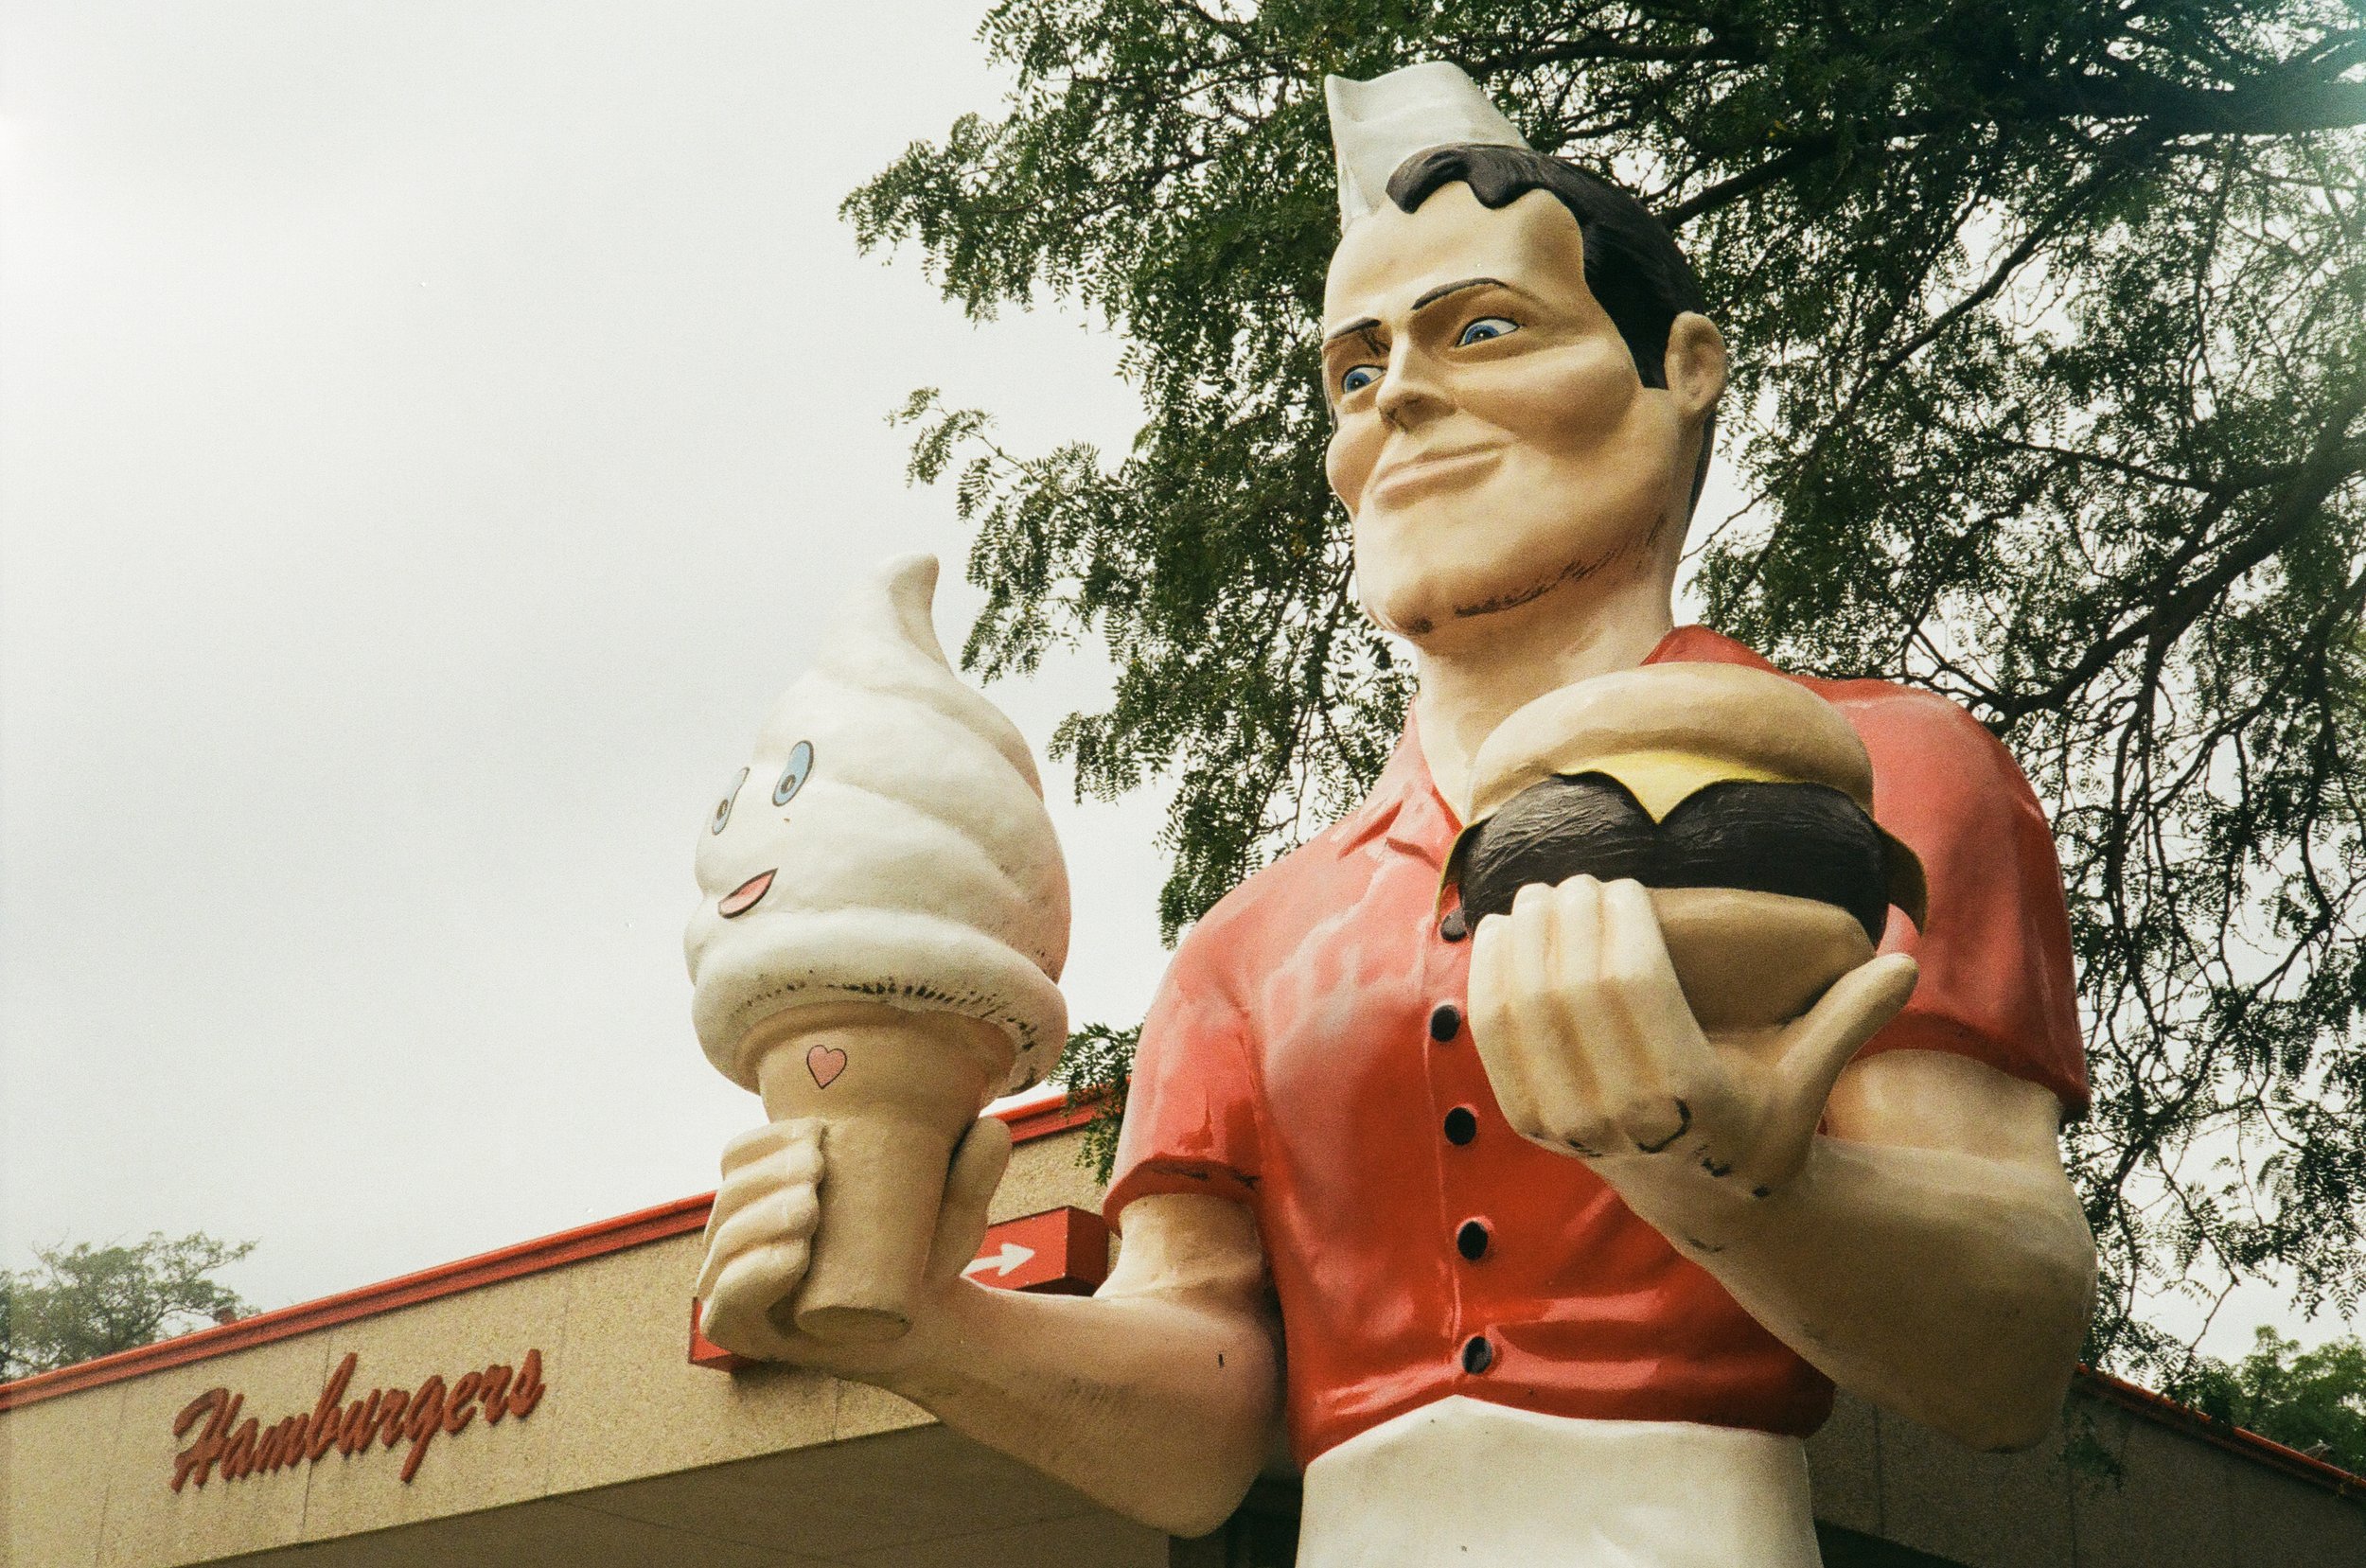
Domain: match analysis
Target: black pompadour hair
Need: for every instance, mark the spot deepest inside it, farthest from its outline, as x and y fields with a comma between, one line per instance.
x=1633, y=266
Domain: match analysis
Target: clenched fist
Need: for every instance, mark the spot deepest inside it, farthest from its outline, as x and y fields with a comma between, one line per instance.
x=1593, y=1052
x=760, y=1239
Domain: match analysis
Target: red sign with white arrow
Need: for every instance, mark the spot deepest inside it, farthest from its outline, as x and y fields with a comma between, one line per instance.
x=1058, y=1252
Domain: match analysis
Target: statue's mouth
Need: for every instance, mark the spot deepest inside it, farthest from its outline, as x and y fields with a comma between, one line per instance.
x=744, y=897
x=1430, y=468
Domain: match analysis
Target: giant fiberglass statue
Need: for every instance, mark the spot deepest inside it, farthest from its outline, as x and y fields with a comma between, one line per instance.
x=1665, y=1040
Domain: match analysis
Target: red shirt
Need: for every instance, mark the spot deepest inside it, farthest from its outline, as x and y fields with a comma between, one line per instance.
x=1307, y=1056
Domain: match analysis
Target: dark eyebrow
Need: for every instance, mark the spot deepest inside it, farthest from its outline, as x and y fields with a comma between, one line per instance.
x=1444, y=289
x=1365, y=328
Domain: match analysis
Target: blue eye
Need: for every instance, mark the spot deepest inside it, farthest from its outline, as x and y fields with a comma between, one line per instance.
x=723, y=808
x=793, y=776
x=1358, y=378
x=1485, y=329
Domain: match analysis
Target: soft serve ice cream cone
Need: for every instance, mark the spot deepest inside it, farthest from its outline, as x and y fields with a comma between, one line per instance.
x=884, y=921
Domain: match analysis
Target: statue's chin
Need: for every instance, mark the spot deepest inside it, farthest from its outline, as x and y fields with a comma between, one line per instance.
x=1450, y=597
x=1470, y=601
x=1419, y=596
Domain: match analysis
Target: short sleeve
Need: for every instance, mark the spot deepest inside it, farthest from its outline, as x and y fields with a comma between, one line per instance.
x=1191, y=1115
x=1995, y=951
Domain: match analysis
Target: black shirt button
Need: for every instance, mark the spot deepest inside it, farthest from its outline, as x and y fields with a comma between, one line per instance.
x=1470, y=1240
x=1445, y=1023
x=1461, y=1125
x=1477, y=1355
x=1454, y=927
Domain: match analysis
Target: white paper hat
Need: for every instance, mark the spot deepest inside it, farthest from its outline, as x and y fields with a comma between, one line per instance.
x=1376, y=125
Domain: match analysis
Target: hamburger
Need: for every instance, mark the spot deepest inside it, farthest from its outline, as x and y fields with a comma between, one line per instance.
x=1741, y=799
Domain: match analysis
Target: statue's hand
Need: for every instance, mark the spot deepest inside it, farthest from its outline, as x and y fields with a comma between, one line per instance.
x=1593, y=1051
x=760, y=1239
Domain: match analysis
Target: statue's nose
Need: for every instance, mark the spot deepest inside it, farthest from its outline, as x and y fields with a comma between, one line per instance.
x=1410, y=392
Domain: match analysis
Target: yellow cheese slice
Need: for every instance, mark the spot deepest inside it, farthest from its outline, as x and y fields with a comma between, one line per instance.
x=1661, y=780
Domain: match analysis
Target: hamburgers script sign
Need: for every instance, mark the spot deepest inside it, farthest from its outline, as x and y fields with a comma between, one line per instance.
x=389, y=1418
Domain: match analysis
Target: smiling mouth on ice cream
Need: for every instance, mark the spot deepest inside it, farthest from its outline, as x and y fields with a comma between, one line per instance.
x=745, y=898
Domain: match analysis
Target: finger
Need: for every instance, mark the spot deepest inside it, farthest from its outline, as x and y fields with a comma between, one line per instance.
x=724, y=1240
x=738, y=1311
x=1563, y=1077
x=1642, y=979
x=977, y=1165
x=1821, y=1044
x=1654, y=1046
x=1542, y=1045
x=789, y=1214
x=734, y=1157
x=742, y=1333
x=746, y=1331
x=1597, y=1020
x=760, y=1169
x=752, y=1171
x=796, y=1164
x=1493, y=1023
x=761, y=1143
x=752, y=1280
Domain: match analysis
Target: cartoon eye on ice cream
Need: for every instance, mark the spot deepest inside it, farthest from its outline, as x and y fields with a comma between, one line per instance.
x=881, y=949
x=722, y=817
x=793, y=776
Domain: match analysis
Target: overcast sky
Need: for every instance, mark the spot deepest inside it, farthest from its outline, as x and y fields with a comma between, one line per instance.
x=430, y=434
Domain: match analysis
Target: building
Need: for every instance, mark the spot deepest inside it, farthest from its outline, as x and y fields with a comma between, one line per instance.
x=556, y=1407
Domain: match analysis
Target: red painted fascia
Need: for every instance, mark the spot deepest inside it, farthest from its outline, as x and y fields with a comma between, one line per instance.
x=1042, y=1117
x=1032, y=1118
x=2236, y=1439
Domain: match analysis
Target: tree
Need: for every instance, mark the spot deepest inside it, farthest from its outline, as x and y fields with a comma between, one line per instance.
x=2313, y=1400
x=86, y=1301
x=2051, y=395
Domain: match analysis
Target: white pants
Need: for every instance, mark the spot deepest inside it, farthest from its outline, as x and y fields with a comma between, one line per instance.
x=1472, y=1485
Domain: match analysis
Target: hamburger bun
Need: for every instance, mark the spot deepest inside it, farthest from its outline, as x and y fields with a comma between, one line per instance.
x=1741, y=799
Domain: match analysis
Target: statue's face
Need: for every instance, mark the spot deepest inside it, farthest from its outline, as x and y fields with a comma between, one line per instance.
x=1494, y=442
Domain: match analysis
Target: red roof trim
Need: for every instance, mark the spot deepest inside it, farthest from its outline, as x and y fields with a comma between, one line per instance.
x=1027, y=1118
x=1032, y=1119
x=2236, y=1439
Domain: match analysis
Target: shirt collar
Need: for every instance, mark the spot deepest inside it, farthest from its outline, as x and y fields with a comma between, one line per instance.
x=1404, y=806
x=1699, y=645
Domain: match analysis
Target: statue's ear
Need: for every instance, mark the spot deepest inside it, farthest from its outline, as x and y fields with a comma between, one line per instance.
x=1696, y=364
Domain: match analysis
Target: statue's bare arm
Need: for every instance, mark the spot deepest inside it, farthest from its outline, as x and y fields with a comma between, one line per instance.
x=1933, y=1257
x=1156, y=1397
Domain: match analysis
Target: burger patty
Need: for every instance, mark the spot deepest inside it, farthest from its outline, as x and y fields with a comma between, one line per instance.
x=1804, y=840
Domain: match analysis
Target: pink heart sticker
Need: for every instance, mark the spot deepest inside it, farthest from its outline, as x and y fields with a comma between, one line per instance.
x=826, y=1065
